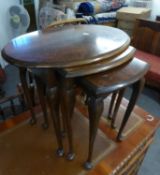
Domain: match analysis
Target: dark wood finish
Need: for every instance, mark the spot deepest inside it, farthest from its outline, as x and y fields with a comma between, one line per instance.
x=117, y=105
x=22, y=73
x=67, y=97
x=29, y=93
x=44, y=80
x=137, y=88
x=47, y=87
x=70, y=47
x=58, y=49
x=129, y=154
x=107, y=82
x=101, y=85
x=100, y=66
x=41, y=94
x=110, y=111
x=125, y=159
x=146, y=36
x=95, y=109
x=30, y=7
x=68, y=89
x=53, y=102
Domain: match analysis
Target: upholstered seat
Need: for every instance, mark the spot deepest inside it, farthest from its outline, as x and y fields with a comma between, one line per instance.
x=153, y=74
x=146, y=38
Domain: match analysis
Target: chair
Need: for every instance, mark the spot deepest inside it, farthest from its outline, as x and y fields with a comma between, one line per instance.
x=99, y=86
x=146, y=39
x=61, y=23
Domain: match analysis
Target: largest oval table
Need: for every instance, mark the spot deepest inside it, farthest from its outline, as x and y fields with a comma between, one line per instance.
x=72, y=51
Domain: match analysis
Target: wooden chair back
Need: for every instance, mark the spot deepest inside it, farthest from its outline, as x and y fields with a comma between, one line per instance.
x=146, y=36
x=65, y=22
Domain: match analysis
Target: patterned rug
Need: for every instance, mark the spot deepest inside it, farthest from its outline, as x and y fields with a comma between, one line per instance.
x=133, y=122
x=27, y=149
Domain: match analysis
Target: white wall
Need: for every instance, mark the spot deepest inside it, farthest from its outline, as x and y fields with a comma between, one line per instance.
x=155, y=8
x=5, y=30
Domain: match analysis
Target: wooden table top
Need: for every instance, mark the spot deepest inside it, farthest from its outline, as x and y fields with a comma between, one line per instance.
x=66, y=47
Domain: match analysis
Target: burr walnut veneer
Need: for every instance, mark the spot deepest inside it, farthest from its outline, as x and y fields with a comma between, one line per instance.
x=87, y=48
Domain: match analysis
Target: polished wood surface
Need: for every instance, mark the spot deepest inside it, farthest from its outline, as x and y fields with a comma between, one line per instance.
x=146, y=36
x=107, y=82
x=127, y=153
x=69, y=47
x=100, y=66
x=99, y=86
x=66, y=47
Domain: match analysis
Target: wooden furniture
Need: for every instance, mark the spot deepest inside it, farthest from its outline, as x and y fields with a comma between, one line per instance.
x=127, y=17
x=86, y=48
x=99, y=86
x=146, y=39
x=65, y=22
x=89, y=44
x=28, y=89
x=42, y=76
x=125, y=158
x=12, y=108
x=2, y=80
x=129, y=154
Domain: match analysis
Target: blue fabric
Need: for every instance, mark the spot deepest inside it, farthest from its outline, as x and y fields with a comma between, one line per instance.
x=86, y=8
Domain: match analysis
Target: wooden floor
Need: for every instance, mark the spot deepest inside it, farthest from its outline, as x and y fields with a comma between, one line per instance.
x=109, y=155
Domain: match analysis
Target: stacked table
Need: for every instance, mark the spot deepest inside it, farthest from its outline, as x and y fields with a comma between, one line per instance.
x=72, y=51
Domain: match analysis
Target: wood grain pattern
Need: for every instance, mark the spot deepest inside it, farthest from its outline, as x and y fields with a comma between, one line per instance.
x=128, y=150
x=99, y=86
x=66, y=47
x=123, y=76
x=101, y=66
x=146, y=36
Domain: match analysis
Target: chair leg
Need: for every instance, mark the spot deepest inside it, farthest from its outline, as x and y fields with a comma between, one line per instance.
x=41, y=95
x=53, y=103
x=2, y=114
x=13, y=109
x=117, y=105
x=137, y=88
x=22, y=73
x=95, y=109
